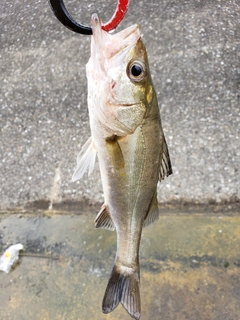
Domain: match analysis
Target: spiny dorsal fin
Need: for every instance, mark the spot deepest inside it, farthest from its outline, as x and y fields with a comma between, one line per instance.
x=103, y=219
x=153, y=213
x=165, y=167
x=85, y=160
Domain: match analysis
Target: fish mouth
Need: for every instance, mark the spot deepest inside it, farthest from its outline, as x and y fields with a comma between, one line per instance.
x=95, y=19
x=118, y=104
x=124, y=34
x=126, y=104
x=112, y=43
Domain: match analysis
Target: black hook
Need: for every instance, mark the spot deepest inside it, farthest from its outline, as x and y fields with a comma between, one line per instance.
x=65, y=18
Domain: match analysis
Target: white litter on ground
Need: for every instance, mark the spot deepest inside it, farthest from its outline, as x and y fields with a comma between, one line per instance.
x=10, y=257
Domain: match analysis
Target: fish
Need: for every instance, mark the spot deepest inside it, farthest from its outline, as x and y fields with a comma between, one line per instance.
x=128, y=140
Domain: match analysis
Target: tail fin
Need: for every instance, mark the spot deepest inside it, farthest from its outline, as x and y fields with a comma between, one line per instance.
x=123, y=287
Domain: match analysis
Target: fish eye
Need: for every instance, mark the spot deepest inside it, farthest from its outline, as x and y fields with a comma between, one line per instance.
x=136, y=71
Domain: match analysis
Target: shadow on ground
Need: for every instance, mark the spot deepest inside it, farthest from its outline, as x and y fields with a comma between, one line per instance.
x=190, y=267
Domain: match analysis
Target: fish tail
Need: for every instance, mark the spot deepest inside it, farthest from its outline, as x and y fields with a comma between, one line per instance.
x=123, y=286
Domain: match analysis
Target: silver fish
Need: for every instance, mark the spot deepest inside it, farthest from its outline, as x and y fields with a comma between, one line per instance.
x=128, y=139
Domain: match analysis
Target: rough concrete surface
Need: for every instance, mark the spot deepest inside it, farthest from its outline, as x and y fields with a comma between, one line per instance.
x=190, y=267
x=194, y=53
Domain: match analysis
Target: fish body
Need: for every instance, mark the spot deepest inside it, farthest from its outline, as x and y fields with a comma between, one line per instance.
x=128, y=139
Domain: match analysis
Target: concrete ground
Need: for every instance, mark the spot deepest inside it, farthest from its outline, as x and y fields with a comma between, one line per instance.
x=194, y=55
x=190, y=263
x=190, y=266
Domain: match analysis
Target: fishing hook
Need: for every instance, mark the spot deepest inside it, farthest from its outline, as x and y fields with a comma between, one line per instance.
x=65, y=18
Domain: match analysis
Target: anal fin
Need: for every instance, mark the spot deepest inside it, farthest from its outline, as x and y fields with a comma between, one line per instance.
x=153, y=213
x=103, y=219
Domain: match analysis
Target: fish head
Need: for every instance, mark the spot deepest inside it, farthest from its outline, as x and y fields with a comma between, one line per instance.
x=119, y=81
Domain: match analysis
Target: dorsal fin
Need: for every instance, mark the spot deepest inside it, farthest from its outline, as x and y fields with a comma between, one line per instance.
x=85, y=160
x=152, y=214
x=165, y=167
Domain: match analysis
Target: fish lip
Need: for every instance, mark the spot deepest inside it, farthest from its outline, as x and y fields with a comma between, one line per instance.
x=95, y=18
x=132, y=29
x=127, y=104
x=119, y=104
x=121, y=35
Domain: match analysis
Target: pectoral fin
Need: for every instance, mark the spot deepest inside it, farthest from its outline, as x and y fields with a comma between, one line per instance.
x=165, y=167
x=152, y=214
x=85, y=160
x=103, y=219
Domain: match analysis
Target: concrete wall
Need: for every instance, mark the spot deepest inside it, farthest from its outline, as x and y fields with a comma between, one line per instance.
x=194, y=53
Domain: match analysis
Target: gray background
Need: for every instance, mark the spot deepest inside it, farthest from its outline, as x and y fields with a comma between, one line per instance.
x=194, y=52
